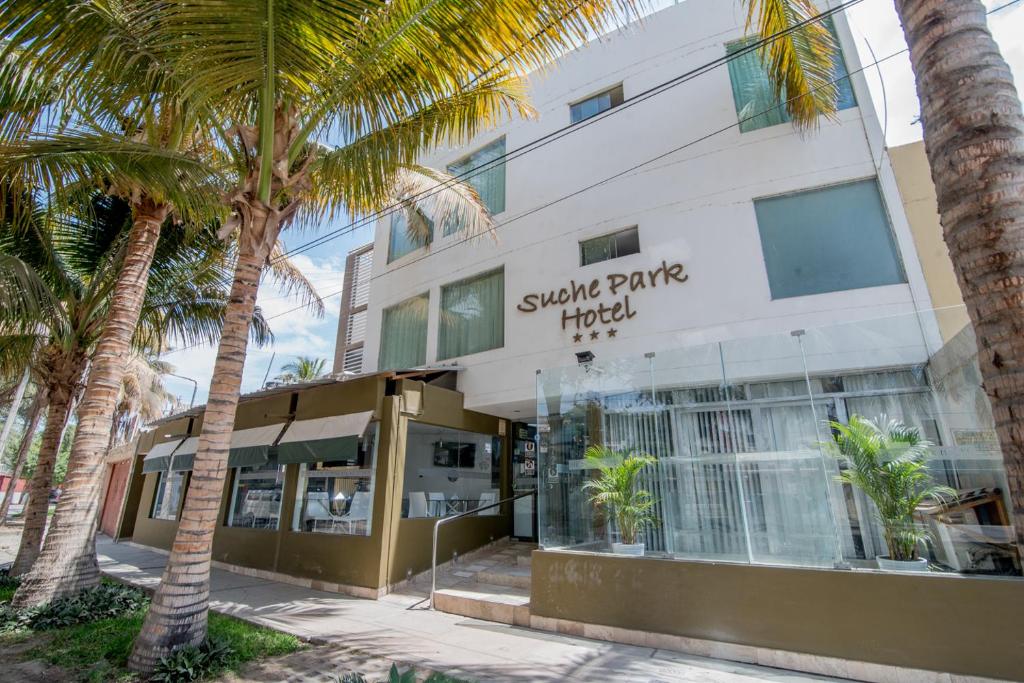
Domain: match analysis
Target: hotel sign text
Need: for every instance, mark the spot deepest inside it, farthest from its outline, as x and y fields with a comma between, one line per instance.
x=585, y=305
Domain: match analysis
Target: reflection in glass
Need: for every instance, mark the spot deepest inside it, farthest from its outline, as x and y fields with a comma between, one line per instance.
x=735, y=428
x=335, y=495
x=256, y=496
x=448, y=471
x=169, y=487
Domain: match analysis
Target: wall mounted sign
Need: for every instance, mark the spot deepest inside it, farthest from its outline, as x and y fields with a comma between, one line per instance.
x=602, y=302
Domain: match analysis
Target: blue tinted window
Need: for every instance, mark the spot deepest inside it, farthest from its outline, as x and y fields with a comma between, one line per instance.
x=827, y=240
x=592, y=106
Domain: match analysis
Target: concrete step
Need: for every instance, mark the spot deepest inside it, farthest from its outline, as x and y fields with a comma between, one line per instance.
x=502, y=604
x=502, y=575
x=524, y=560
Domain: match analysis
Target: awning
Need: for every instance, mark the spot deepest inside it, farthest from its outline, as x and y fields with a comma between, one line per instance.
x=185, y=455
x=251, y=447
x=324, y=439
x=159, y=457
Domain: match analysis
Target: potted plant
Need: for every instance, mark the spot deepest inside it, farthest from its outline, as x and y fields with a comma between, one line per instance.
x=885, y=460
x=615, y=492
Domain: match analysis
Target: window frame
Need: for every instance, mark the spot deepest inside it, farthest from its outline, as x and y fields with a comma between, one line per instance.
x=162, y=479
x=503, y=139
x=616, y=98
x=610, y=235
x=400, y=213
x=426, y=327
x=890, y=233
x=440, y=309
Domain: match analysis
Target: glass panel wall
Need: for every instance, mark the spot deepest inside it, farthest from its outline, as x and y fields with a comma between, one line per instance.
x=169, y=488
x=334, y=495
x=749, y=458
x=256, y=495
x=448, y=471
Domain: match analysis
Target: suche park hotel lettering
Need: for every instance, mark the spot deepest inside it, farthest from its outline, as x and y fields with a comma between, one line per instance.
x=580, y=316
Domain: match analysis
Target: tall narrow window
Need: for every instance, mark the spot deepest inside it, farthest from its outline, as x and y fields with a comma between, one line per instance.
x=485, y=174
x=606, y=247
x=169, y=486
x=256, y=496
x=595, y=104
x=827, y=240
x=403, y=334
x=472, y=315
x=401, y=242
x=756, y=103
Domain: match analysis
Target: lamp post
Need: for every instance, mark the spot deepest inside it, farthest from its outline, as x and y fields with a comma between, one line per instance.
x=195, y=387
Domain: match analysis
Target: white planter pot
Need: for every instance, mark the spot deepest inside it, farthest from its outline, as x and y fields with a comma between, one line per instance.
x=918, y=565
x=634, y=549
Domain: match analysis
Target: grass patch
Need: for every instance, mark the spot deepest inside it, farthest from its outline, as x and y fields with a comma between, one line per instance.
x=99, y=651
x=6, y=593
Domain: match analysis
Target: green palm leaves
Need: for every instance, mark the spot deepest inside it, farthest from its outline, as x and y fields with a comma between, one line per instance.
x=801, y=63
x=615, y=490
x=302, y=369
x=886, y=460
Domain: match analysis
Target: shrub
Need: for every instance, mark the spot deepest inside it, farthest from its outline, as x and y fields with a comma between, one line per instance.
x=193, y=663
x=394, y=676
x=106, y=601
x=7, y=581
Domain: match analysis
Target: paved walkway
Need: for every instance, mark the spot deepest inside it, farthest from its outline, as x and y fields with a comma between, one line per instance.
x=400, y=628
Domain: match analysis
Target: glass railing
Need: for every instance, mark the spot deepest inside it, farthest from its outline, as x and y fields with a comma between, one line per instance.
x=746, y=467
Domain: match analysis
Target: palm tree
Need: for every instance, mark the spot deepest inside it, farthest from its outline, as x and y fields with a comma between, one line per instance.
x=974, y=138
x=886, y=460
x=389, y=79
x=31, y=427
x=142, y=397
x=302, y=369
x=616, y=491
x=56, y=283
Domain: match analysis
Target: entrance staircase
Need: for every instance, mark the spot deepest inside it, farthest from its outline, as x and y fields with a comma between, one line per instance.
x=493, y=585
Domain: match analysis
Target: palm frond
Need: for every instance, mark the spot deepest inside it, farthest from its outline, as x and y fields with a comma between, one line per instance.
x=801, y=64
x=290, y=278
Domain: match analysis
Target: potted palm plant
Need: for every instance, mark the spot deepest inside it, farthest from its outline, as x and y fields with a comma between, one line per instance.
x=886, y=460
x=615, y=492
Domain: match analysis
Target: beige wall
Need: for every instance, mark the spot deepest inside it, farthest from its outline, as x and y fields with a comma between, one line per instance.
x=913, y=176
x=955, y=624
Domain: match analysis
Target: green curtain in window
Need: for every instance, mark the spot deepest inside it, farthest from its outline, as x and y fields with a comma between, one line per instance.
x=400, y=242
x=752, y=92
x=403, y=334
x=472, y=315
x=488, y=183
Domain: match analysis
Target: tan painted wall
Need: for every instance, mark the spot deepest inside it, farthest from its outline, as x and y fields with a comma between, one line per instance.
x=913, y=176
x=394, y=546
x=945, y=623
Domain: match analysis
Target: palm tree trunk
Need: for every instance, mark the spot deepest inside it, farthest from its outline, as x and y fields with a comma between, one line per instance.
x=974, y=137
x=38, y=406
x=177, y=616
x=67, y=563
x=42, y=479
x=12, y=414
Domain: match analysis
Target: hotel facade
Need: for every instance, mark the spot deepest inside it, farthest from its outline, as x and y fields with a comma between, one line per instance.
x=675, y=270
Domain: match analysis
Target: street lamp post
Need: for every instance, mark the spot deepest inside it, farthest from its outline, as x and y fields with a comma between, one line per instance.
x=195, y=386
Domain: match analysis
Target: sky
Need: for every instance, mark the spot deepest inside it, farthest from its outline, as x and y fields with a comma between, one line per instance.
x=299, y=332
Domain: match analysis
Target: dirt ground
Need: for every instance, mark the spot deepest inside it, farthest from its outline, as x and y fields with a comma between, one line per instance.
x=323, y=663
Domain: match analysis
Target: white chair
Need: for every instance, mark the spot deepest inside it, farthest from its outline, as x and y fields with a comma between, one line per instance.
x=438, y=504
x=317, y=508
x=359, y=511
x=417, y=504
x=488, y=498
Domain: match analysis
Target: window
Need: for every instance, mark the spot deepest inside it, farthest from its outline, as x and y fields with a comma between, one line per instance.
x=256, y=496
x=827, y=240
x=472, y=315
x=400, y=242
x=448, y=471
x=488, y=181
x=605, y=247
x=169, y=487
x=595, y=104
x=336, y=496
x=403, y=334
x=756, y=103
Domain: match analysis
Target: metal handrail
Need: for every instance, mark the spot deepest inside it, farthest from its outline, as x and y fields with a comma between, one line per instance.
x=445, y=520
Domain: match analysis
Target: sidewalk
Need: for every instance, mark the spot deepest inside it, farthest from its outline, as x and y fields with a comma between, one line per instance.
x=400, y=628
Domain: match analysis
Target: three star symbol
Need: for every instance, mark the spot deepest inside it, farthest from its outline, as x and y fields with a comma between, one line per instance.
x=594, y=335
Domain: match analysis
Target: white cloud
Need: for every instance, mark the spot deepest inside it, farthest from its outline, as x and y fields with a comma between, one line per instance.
x=297, y=331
